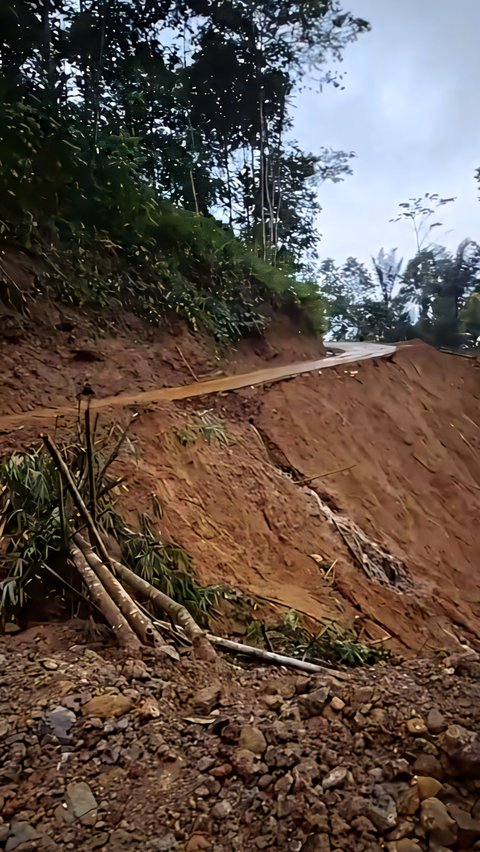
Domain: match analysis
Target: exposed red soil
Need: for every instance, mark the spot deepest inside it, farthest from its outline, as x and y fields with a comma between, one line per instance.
x=405, y=429
x=47, y=357
x=413, y=489
x=410, y=428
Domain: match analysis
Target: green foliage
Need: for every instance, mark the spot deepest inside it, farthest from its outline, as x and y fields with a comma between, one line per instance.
x=167, y=567
x=126, y=247
x=470, y=319
x=31, y=521
x=441, y=284
x=418, y=212
x=124, y=126
x=332, y=645
x=37, y=518
x=207, y=425
x=436, y=286
x=361, y=305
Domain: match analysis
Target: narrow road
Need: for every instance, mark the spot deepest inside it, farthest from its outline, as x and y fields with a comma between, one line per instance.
x=348, y=353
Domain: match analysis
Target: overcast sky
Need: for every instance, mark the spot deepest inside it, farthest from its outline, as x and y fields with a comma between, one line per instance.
x=411, y=112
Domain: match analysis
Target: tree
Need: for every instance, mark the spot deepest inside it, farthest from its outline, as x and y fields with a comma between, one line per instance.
x=419, y=212
x=251, y=57
x=345, y=289
x=470, y=319
x=387, y=272
x=362, y=305
x=193, y=99
x=440, y=284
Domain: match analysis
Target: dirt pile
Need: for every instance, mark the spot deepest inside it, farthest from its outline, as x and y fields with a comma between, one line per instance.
x=112, y=753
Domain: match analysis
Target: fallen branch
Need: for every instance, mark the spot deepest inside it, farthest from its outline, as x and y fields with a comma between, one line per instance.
x=377, y=563
x=100, y=597
x=323, y=475
x=135, y=618
x=275, y=659
x=178, y=613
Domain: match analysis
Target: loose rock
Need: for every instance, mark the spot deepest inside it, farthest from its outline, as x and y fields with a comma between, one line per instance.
x=428, y=787
x=335, y=778
x=252, y=739
x=80, y=799
x=437, y=822
x=416, y=726
x=107, y=706
x=312, y=703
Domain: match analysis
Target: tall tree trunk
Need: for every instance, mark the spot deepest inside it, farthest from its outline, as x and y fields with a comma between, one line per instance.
x=48, y=60
x=229, y=186
x=99, y=73
x=86, y=81
x=262, y=178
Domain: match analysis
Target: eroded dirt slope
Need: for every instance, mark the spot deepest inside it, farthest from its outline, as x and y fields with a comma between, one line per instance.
x=404, y=430
x=410, y=428
x=46, y=357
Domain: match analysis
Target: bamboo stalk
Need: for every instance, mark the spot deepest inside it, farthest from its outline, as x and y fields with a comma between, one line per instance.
x=178, y=613
x=77, y=497
x=135, y=618
x=100, y=597
x=269, y=657
x=273, y=658
x=91, y=475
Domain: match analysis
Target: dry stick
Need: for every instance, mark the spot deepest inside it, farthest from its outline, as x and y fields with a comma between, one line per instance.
x=119, y=624
x=178, y=613
x=91, y=476
x=113, y=455
x=189, y=368
x=135, y=618
x=77, y=497
x=322, y=475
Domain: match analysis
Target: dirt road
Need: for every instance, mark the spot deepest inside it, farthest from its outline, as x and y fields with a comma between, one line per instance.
x=347, y=353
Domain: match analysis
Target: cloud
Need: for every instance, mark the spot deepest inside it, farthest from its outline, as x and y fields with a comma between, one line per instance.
x=410, y=111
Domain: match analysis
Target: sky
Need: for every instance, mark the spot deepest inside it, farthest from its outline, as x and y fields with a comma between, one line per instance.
x=410, y=111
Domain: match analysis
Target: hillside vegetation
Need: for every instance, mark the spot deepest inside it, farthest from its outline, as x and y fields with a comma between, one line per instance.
x=144, y=149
